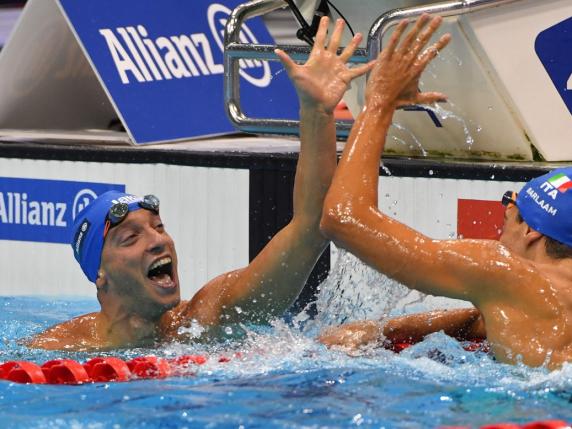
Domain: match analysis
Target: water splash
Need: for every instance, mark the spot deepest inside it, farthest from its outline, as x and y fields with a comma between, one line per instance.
x=434, y=382
x=416, y=143
x=385, y=169
x=445, y=114
x=354, y=291
x=279, y=71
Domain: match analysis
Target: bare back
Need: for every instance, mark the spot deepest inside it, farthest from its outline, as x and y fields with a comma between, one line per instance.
x=532, y=324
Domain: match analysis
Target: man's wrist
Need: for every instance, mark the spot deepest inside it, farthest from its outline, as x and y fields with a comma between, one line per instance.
x=380, y=104
x=316, y=109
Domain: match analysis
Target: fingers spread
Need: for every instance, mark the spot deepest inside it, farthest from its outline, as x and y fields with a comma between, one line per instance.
x=351, y=47
x=336, y=36
x=430, y=97
x=432, y=51
x=320, y=40
x=394, y=39
x=422, y=40
x=363, y=69
x=411, y=37
x=287, y=62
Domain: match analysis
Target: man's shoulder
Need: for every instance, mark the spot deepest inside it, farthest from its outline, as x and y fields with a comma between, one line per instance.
x=79, y=323
x=172, y=320
x=79, y=332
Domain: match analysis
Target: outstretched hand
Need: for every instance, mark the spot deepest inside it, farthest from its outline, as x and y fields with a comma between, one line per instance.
x=395, y=77
x=323, y=80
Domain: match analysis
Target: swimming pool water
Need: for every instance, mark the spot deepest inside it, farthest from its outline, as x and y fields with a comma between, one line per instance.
x=283, y=379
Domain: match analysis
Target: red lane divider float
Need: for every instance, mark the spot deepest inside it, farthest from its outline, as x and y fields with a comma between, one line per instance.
x=546, y=424
x=22, y=372
x=64, y=371
x=100, y=369
x=108, y=369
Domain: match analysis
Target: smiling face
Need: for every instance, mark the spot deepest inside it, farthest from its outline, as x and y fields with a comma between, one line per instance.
x=139, y=263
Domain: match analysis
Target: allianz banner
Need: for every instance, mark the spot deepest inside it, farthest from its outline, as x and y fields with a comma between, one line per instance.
x=44, y=210
x=161, y=62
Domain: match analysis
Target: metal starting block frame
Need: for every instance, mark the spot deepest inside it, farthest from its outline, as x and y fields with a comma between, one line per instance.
x=234, y=51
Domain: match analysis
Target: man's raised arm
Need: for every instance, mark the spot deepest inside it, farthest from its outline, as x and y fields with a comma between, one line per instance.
x=463, y=269
x=273, y=280
x=351, y=217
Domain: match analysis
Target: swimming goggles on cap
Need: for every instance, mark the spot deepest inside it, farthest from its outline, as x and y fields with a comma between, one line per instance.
x=119, y=211
x=509, y=198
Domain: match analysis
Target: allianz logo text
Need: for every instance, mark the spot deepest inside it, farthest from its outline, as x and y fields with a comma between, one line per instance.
x=43, y=210
x=141, y=57
x=15, y=208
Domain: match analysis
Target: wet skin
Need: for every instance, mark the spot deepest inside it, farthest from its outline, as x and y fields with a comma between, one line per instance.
x=524, y=296
x=532, y=326
x=133, y=302
x=130, y=250
x=136, y=309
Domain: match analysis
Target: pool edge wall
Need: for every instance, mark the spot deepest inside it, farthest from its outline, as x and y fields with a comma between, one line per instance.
x=221, y=207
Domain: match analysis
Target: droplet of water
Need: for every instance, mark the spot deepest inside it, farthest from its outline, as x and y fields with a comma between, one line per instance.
x=195, y=330
x=228, y=330
x=416, y=142
x=386, y=170
x=446, y=114
x=357, y=419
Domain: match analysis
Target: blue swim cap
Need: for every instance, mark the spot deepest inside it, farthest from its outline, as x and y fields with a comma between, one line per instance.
x=89, y=226
x=545, y=204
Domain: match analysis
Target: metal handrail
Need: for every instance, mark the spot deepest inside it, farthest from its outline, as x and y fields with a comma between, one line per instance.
x=235, y=51
x=445, y=9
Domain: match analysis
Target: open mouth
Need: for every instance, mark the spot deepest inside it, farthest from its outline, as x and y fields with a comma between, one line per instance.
x=161, y=273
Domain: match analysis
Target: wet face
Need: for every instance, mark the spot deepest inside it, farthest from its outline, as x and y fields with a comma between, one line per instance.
x=139, y=265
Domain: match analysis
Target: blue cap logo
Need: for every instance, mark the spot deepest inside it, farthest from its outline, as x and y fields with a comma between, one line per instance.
x=545, y=204
x=89, y=227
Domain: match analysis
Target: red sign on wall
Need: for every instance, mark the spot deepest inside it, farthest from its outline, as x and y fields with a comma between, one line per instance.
x=479, y=219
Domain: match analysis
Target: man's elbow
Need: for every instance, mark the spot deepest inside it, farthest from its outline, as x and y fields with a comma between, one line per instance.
x=334, y=222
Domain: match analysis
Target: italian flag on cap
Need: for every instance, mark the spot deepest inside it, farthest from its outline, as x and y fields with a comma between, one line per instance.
x=561, y=182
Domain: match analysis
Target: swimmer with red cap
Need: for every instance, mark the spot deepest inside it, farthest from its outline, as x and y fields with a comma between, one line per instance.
x=123, y=247
x=522, y=284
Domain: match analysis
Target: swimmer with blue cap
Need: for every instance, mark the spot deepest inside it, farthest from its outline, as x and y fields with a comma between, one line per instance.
x=520, y=285
x=123, y=247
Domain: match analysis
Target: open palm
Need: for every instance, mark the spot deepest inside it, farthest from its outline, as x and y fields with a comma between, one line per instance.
x=324, y=78
x=400, y=65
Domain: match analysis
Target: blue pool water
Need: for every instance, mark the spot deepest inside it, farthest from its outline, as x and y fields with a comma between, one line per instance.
x=284, y=379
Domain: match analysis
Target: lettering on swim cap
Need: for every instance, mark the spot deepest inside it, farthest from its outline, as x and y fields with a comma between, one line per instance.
x=549, y=190
x=544, y=205
x=80, y=234
x=127, y=199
